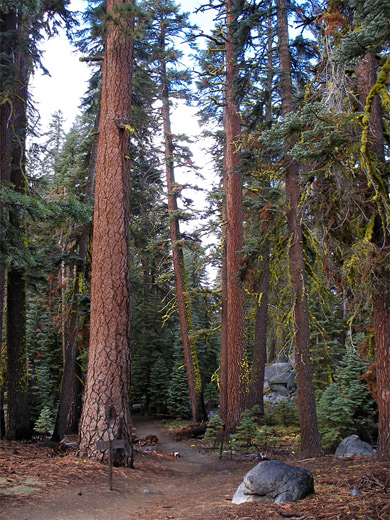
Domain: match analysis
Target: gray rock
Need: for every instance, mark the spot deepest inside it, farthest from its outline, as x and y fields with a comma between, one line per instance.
x=273, y=481
x=279, y=389
x=279, y=378
x=355, y=492
x=241, y=496
x=285, y=381
x=352, y=446
x=276, y=369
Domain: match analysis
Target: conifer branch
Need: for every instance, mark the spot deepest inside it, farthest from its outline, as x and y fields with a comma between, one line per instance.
x=87, y=59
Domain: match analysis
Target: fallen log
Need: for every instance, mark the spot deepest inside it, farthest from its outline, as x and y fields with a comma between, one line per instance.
x=192, y=431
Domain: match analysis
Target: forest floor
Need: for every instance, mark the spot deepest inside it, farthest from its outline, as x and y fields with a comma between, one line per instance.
x=39, y=483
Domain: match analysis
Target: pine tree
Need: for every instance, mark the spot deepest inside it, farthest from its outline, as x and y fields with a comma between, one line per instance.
x=158, y=386
x=7, y=30
x=213, y=427
x=24, y=24
x=310, y=438
x=106, y=411
x=346, y=406
x=235, y=356
x=354, y=40
x=178, y=401
x=169, y=23
x=18, y=420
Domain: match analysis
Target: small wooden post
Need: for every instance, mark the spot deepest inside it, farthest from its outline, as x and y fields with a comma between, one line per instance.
x=110, y=445
x=220, y=438
x=110, y=465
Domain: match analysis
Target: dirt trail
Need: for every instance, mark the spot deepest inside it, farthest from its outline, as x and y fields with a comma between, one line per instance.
x=38, y=484
x=161, y=486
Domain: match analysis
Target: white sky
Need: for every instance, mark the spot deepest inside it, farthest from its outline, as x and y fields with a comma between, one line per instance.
x=65, y=86
x=68, y=82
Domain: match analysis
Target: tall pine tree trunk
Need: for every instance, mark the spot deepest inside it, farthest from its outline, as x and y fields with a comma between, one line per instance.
x=310, y=437
x=106, y=412
x=18, y=418
x=189, y=344
x=366, y=73
x=236, y=387
x=224, y=361
x=70, y=399
x=7, y=23
x=256, y=389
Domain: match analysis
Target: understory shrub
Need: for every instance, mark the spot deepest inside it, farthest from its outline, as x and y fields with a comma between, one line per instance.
x=249, y=434
x=213, y=427
x=45, y=422
x=346, y=406
x=284, y=413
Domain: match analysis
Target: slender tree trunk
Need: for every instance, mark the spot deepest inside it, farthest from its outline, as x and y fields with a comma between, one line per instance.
x=343, y=314
x=69, y=408
x=224, y=360
x=76, y=402
x=260, y=344
x=381, y=305
x=62, y=287
x=106, y=412
x=189, y=344
x=256, y=389
x=272, y=348
x=18, y=419
x=366, y=73
x=237, y=368
x=310, y=437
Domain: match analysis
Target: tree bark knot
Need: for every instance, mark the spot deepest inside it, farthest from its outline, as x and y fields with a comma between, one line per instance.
x=122, y=123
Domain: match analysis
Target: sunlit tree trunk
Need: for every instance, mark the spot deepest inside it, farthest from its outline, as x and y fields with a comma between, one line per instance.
x=106, y=412
x=236, y=387
x=310, y=437
x=224, y=361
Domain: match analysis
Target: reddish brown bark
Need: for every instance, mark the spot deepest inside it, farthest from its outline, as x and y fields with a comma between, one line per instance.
x=381, y=305
x=224, y=360
x=183, y=304
x=237, y=369
x=256, y=389
x=106, y=412
x=310, y=437
x=366, y=73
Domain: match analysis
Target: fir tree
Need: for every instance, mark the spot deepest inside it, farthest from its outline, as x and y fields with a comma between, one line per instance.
x=346, y=405
x=158, y=386
x=178, y=396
